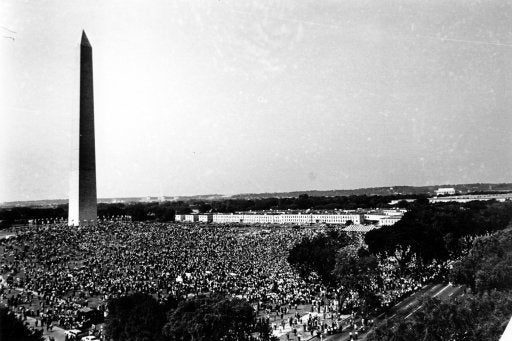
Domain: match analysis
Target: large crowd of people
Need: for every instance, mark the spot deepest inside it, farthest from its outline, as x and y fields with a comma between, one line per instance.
x=60, y=274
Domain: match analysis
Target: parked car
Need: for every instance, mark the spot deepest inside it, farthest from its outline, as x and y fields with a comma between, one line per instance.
x=89, y=338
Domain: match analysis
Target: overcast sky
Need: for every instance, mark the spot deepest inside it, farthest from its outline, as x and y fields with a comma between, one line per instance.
x=230, y=96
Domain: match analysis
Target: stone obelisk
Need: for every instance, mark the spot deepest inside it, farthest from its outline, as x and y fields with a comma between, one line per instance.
x=82, y=199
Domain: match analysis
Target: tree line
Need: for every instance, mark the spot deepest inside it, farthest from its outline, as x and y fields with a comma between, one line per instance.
x=165, y=211
x=139, y=317
x=438, y=232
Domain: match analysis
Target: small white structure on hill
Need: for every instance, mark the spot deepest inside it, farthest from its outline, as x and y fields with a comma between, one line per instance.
x=445, y=191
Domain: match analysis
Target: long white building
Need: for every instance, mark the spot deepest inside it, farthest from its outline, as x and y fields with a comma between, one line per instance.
x=502, y=197
x=264, y=218
x=376, y=218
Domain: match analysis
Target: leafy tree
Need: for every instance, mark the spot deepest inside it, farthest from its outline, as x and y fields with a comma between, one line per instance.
x=488, y=265
x=469, y=318
x=138, y=317
x=265, y=330
x=355, y=269
x=168, y=214
x=12, y=329
x=4, y=224
x=110, y=210
x=303, y=201
x=318, y=254
x=137, y=212
x=211, y=318
x=204, y=207
x=437, y=232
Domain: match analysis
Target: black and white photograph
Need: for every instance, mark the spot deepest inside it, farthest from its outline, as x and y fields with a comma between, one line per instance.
x=255, y=170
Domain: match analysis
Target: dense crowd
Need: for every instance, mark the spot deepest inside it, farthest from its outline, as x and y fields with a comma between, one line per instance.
x=69, y=268
x=65, y=271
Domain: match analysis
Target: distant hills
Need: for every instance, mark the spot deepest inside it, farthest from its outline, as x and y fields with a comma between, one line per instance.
x=394, y=190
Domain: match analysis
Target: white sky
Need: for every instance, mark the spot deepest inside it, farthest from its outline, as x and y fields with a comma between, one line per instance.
x=225, y=96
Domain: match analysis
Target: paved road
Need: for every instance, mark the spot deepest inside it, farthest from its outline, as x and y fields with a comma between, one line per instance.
x=406, y=308
x=57, y=333
x=409, y=306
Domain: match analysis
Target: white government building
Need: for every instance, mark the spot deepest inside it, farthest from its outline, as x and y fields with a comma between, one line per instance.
x=501, y=197
x=379, y=218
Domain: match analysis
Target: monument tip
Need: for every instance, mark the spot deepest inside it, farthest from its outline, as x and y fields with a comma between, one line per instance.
x=85, y=41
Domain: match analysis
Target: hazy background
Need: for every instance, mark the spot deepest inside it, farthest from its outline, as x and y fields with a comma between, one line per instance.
x=196, y=97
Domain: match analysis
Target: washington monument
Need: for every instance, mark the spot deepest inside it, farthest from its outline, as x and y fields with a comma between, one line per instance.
x=82, y=198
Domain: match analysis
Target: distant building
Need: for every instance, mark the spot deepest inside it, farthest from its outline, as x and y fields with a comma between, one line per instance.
x=227, y=218
x=394, y=202
x=296, y=218
x=395, y=212
x=445, y=191
x=191, y=218
x=384, y=217
x=501, y=197
x=205, y=218
x=148, y=199
x=374, y=217
x=389, y=220
x=377, y=218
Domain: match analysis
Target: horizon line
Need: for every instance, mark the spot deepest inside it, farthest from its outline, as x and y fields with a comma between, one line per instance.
x=260, y=193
